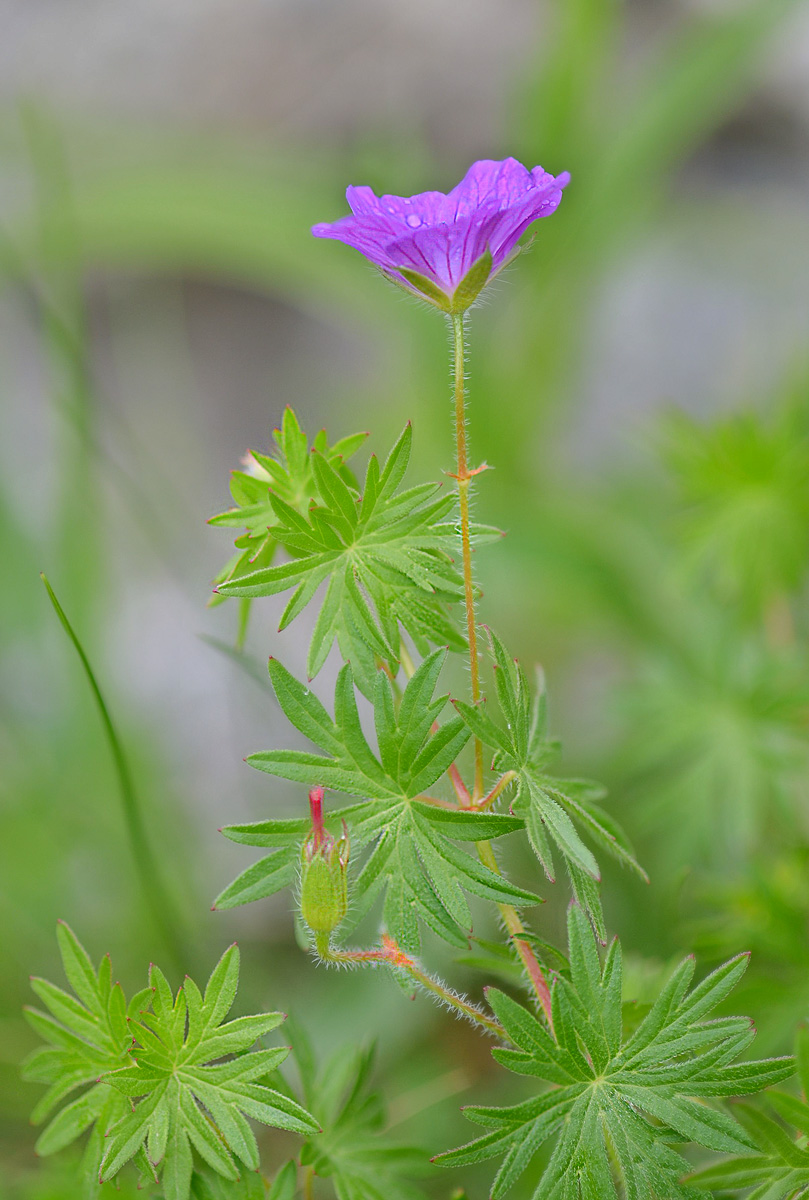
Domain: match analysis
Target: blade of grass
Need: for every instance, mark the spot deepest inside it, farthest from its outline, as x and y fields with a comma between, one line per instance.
x=155, y=893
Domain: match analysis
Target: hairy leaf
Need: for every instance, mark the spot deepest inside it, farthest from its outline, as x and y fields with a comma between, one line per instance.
x=288, y=475
x=413, y=859
x=780, y=1169
x=162, y=1077
x=618, y=1103
x=384, y=557
x=556, y=811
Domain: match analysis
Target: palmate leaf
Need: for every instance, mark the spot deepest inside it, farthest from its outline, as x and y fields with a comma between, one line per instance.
x=86, y=1034
x=554, y=810
x=291, y=477
x=385, y=558
x=618, y=1103
x=352, y=1150
x=187, y=1099
x=780, y=1171
x=413, y=857
x=159, y=1077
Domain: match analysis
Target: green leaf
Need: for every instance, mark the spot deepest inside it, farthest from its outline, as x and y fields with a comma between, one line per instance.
x=353, y=1149
x=163, y=1078
x=413, y=863
x=618, y=1104
x=286, y=478
x=781, y=1168
x=86, y=1038
x=386, y=557
x=177, y=1079
x=553, y=810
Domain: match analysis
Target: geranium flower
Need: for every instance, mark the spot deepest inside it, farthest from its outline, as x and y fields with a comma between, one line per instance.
x=448, y=247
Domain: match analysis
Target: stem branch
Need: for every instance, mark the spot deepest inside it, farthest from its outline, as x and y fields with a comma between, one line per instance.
x=390, y=955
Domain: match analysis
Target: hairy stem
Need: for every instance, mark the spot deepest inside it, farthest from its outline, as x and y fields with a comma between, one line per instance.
x=155, y=893
x=498, y=788
x=390, y=955
x=516, y=929
x=464, y=477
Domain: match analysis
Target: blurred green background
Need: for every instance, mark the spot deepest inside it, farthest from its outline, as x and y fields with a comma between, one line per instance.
x=640, y=381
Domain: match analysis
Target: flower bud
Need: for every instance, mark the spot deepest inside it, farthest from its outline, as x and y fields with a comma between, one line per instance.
x=324, y=863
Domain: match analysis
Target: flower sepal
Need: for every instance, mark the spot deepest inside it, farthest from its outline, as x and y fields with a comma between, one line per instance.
x=465, y=294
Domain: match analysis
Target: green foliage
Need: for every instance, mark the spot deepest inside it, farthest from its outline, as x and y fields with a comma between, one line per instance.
x=414, y=859
x=767, y=910
x=780, y=1171
x=549, y=806
x=291, y=477
x=386, y=556
x=353, y=1151
x=206, y=1185
x=744, y=485
x=155, y=1088
x=88, y=1035
x=617, y=1103
x=717, y=748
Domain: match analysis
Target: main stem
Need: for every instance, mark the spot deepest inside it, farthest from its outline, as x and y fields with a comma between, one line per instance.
x=464, y=477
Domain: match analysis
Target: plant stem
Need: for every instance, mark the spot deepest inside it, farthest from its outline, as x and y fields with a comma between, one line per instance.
x=499, y=787
x=155, y=893
x=390, y=955
x=464, y=477
x=308, y=1183
x=516, y=929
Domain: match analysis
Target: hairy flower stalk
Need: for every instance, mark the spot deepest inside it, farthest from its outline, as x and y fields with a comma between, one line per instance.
x=464, y=477
x=389, y=954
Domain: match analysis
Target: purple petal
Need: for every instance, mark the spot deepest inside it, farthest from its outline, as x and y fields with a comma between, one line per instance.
x=488, y=182
x=539, y=202
x=371, y=235
x=444, y=253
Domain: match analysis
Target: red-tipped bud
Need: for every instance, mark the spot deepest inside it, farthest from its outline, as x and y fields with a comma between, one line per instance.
x=324, y=871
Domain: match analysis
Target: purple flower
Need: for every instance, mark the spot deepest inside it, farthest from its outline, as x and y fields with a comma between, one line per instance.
x=447, y=247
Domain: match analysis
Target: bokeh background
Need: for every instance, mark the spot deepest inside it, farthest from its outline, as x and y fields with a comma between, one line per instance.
x=639, y=379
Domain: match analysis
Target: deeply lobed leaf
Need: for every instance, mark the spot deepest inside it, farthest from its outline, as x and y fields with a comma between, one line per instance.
x=413, y=863
x=159, y=1077
x=555, y=811
x=618, y=1103
x=385, y=557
